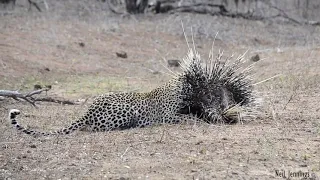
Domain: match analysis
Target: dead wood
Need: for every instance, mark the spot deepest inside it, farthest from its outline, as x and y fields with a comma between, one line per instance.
x=29, y=97
x=50, y=99
x=31, y=3
x=221, y=10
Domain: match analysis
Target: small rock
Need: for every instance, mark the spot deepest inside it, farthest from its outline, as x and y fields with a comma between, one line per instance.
x=122, y=54
x=279, y=50
x=262, y=159
x=47, y=69
x=173, y=63
x=81, y=44
x=257, y=40
x=113, y=29
x=37, y=86
x=203, y=151
x=155, y=72
x=33, y=146
x=62, y=47
x=123, y=178
x=48, y=86
x=255, y=58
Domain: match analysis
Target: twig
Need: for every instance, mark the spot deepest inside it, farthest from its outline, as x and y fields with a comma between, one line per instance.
x=17, y=96
x=30, y=94
x=294, y=93
x=32, y=100
x=283, y=14
x=162, y=135
x=9, y=142
x=46, y=5
x=125, y=152
x=203, y=8
x=50, y=99
x=34, y=4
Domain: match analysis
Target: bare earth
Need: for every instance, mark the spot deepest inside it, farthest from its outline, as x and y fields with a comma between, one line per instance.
x=44, y=48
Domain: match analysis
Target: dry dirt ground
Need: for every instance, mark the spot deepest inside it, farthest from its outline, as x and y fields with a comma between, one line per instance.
x=72, y=47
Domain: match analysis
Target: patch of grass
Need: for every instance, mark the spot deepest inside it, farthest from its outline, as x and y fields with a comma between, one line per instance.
x=88, y=85
x=29, y=82
x=82, y=85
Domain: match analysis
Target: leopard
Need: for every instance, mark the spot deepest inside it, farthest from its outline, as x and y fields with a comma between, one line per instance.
x=123, y=110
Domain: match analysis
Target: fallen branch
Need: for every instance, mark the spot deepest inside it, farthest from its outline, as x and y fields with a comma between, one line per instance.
x=221, y=10
x=18, y=96
x=204, y=8
x=50, y=99
x=34, y=4
x=314, y=23
x=283, y=14
x=30, y=99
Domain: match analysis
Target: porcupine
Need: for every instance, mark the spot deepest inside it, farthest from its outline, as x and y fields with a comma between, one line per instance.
x=218, y=91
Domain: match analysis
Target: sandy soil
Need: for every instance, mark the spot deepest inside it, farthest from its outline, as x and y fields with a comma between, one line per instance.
x=45, y=48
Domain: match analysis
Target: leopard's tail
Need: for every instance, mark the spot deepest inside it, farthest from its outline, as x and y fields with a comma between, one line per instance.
x=67, y=130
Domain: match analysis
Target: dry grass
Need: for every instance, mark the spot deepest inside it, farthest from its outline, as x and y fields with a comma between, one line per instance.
x=253, y=150
x=284, y=137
